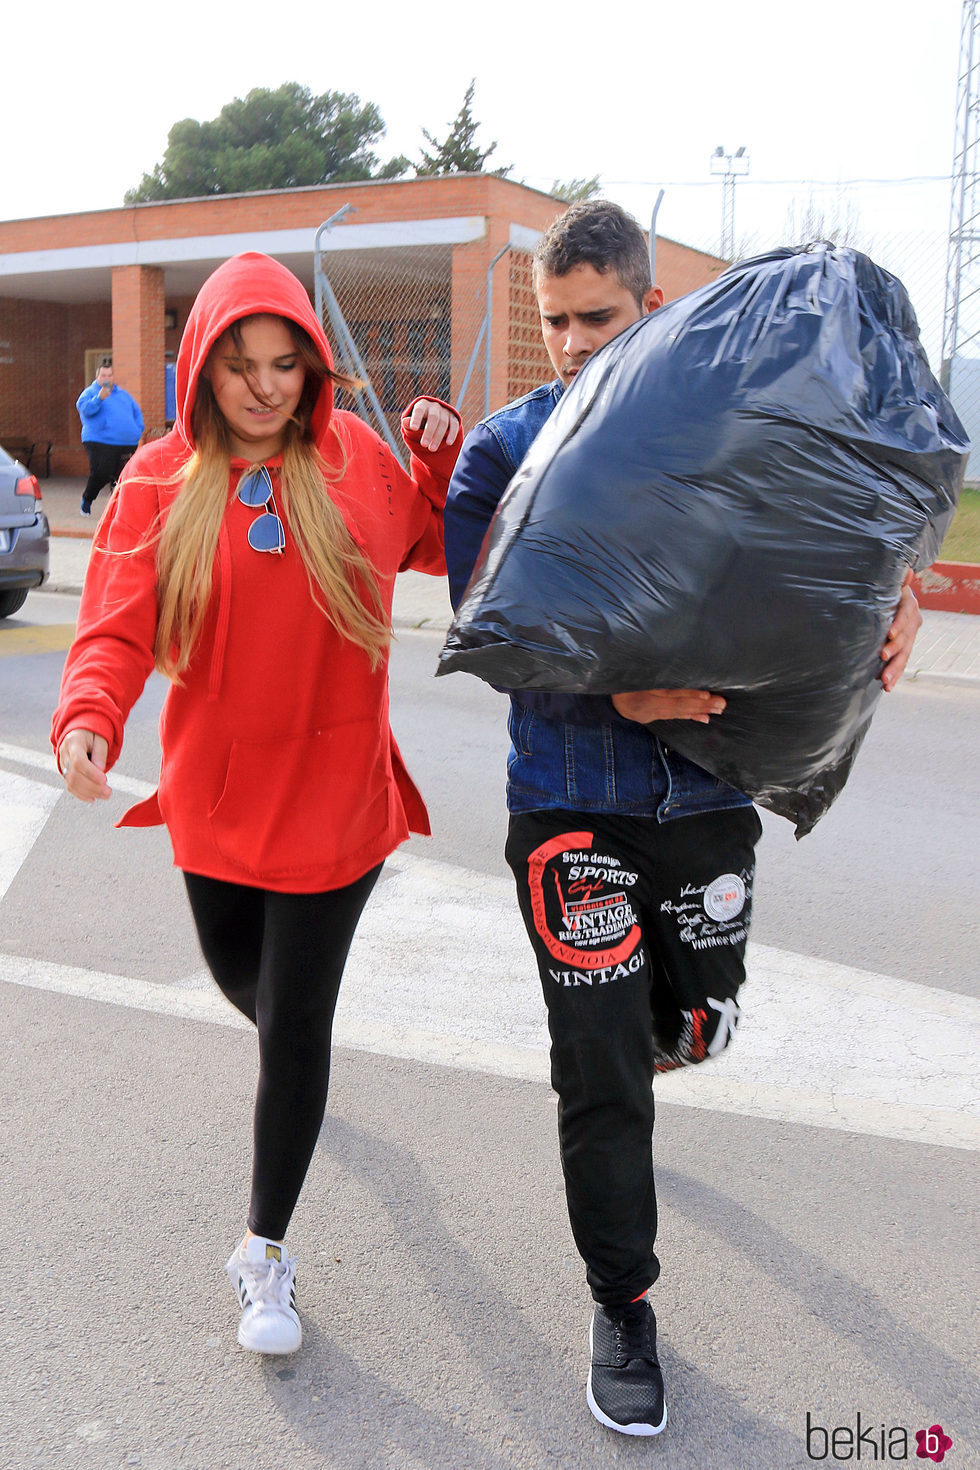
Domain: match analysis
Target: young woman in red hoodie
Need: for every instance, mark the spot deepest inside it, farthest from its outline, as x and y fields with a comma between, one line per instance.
x=250, y=555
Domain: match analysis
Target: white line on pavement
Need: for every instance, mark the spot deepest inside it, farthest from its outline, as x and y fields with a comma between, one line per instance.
x=37, y=760
x=26, y=806
x=440, y=972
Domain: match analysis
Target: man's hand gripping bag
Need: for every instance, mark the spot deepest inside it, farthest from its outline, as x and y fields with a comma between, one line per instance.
x=729, y=498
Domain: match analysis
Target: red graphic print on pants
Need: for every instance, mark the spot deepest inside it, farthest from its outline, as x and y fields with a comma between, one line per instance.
x=581, y=903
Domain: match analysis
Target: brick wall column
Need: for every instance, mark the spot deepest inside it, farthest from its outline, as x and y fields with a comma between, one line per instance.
x=138, y=338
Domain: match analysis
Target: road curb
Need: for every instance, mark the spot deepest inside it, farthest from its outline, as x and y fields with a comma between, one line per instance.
x=949, y=586
x=71, y=589
x=928, y=676
x=406, y=622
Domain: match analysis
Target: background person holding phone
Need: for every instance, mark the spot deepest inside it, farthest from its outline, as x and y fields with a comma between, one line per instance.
x=112, y=425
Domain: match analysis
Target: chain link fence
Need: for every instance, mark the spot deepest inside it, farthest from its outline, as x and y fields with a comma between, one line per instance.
x=388, y=315
x=425, y=319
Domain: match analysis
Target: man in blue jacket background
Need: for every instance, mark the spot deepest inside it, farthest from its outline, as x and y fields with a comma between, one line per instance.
x=634, y=867
x=112, y=425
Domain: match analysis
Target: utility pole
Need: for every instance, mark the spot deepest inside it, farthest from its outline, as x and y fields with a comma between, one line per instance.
x=961, y=321
x=730, y=165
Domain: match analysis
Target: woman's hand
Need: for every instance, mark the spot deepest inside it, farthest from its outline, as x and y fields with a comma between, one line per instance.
x=82, y=757
x=647, y=705
x=438, y=425
x=901, y=635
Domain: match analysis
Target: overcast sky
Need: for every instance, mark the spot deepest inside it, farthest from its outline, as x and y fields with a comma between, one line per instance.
x=840, y=91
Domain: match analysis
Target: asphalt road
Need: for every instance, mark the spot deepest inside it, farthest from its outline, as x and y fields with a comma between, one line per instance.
x=818, y=1189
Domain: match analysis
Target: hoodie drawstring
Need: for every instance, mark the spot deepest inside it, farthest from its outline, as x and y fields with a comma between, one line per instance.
x=224, y=613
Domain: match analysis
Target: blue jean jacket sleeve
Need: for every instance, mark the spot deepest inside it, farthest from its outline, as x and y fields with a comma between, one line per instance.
x=482, y=474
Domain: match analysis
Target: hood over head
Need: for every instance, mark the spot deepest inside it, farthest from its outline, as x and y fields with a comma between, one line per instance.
x=250, y=284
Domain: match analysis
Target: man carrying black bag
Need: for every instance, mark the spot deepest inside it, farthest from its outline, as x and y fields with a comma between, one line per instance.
x=634, y=867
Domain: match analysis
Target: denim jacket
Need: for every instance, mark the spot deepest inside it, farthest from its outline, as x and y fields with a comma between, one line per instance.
x=568, y=751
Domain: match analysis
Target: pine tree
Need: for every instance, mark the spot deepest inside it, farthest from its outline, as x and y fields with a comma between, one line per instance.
x=459, y=153
x=575, y=190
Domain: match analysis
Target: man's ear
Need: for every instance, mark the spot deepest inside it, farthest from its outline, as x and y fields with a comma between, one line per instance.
x=652, y=299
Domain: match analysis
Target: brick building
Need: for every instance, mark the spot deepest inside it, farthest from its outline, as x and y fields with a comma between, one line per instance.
x=409, y=267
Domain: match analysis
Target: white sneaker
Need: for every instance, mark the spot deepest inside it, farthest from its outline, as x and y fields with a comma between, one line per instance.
x=264, y=1278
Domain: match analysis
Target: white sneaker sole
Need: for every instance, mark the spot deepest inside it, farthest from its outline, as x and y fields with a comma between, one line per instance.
x=289, y=1343
x=644, y=1429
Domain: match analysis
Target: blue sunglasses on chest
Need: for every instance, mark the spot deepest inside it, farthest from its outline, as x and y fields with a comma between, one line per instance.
x=266, y=533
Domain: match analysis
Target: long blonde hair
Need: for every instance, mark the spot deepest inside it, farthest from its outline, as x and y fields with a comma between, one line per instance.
x=343, y=583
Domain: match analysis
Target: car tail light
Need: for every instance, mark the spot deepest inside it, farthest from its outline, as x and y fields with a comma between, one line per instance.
x=28, y=486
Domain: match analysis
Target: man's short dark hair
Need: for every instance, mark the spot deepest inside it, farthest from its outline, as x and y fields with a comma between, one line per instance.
x=597, y=233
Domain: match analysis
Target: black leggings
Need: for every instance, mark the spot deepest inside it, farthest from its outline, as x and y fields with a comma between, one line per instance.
x=279, y=958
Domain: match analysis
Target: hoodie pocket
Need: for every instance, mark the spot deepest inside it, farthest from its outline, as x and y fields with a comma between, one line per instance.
x=299, y=803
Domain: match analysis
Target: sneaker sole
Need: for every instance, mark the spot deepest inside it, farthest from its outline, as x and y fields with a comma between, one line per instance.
x=641, y=1429
x=268, y=1352
x=648, y=1430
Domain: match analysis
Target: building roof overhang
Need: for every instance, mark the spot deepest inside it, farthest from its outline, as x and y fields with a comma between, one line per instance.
x=83, y=273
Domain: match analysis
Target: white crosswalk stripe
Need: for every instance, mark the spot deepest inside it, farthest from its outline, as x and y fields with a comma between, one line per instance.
x=441, y=972
x=24, y=808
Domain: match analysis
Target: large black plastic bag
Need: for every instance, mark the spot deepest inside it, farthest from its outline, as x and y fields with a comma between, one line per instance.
x=728, y=498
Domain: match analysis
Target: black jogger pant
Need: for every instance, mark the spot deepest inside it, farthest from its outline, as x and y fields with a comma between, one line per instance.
x=279, y=958
x=105, y=465
x=639, y=931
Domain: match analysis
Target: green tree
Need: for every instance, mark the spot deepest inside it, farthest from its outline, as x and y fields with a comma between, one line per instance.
x=458, y=154
x=278, y=139
x=576, y=190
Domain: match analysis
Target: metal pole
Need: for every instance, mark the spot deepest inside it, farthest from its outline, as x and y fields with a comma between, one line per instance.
x=317, y=266
x=728, y=217
x=346, y=346
x=962, y=223
x=730, y=165
x=343, y=335
x=489, y=322
x=470, y=366
x=653, y=238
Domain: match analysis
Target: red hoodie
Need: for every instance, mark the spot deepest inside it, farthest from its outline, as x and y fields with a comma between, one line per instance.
x=279, y=768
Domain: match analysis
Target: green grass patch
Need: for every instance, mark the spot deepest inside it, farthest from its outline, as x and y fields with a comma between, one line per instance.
x=963, y=537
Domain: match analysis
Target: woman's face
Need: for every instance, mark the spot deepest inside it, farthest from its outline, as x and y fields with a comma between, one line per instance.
x=273, y=369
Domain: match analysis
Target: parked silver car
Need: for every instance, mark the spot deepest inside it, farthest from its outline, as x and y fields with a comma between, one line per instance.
x=24, y=535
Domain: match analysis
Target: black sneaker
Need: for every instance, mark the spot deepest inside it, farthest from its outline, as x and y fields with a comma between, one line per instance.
x=626, y=1387
x=86, y=507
